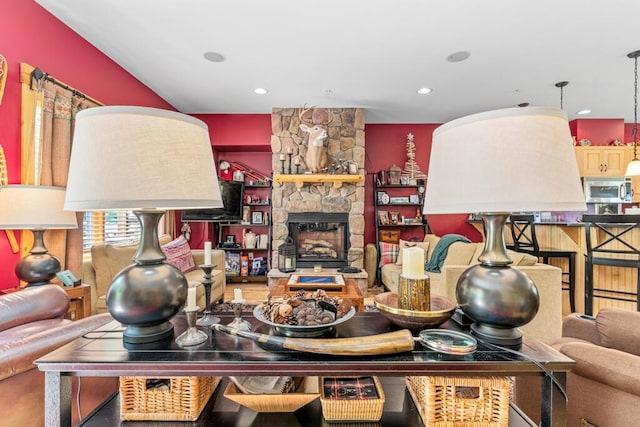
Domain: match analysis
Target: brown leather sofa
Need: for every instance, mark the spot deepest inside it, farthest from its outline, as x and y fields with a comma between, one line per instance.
x=32, y=325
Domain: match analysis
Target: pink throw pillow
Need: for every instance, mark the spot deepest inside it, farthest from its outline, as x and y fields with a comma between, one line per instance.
x=178, y=254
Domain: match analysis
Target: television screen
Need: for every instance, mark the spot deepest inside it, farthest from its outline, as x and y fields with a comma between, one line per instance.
x=232, y=193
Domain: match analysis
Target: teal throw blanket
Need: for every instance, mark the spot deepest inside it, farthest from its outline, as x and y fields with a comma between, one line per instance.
x=440, y=251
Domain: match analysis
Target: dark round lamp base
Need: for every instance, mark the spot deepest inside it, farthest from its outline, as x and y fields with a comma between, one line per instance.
x=146, y=334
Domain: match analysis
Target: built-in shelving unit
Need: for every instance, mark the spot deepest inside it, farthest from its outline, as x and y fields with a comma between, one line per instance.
x=256, y=218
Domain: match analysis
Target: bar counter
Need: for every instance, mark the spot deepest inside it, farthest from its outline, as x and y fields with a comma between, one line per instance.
x=571, y=236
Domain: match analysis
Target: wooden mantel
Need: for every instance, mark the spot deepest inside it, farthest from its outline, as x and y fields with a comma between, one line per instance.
x=301, y=179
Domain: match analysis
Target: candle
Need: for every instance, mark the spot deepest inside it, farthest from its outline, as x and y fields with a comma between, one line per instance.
x=413, y=262
x=191, y=297
x=296, y=161
x=282, y=157
x=237, y=295
x=290, y=151
x=207, y=253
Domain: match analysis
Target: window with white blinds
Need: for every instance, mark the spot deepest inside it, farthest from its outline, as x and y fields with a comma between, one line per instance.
x=116, y=227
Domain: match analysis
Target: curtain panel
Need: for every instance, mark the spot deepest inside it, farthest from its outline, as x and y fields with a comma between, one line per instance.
x=48, y=115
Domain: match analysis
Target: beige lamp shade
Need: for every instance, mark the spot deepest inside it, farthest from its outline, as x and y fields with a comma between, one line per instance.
x=511, y=160
x=140, y=158
x=33, y=207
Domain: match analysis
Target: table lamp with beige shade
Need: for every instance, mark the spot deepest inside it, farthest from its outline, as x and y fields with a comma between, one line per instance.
x=145, y=160
x=495, y=163
x=37, y=208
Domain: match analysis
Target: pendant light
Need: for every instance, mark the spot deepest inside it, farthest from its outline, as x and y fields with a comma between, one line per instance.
x=561, y=85
x=633, y=168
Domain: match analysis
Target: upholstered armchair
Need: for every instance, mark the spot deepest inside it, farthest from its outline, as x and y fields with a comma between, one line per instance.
x=107, y=260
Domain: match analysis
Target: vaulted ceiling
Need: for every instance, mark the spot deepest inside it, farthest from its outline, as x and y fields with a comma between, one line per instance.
x=373, y=54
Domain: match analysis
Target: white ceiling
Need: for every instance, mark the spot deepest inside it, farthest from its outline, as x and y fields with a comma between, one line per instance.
x=372, y=54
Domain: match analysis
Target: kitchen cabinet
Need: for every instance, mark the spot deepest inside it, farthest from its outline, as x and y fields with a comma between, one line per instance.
x=601, y=161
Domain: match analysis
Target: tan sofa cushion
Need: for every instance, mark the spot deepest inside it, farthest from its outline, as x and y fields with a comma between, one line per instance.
x=615, y=330
x=406, y=244
x=460, y=253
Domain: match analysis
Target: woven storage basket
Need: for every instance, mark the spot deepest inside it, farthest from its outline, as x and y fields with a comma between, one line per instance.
x=352, y=409
x=183, y=401
x=306, y=393
x=461, y=401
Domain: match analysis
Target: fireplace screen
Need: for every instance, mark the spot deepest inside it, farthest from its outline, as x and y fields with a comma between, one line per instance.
x=320, y=238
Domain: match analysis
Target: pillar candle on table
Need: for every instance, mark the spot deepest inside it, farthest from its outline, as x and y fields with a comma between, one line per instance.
x=207, y=253
x=191, y=297
x=413, y=262
x=237, y=295
x=282, y=157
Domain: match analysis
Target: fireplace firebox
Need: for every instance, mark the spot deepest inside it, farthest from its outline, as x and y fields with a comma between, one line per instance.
x=320, y=238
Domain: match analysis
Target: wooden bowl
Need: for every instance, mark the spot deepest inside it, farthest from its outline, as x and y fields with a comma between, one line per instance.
x=441, y=311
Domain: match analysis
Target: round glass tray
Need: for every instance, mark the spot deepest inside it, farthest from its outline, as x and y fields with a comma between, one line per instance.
x=450, y=342
x=301, y=331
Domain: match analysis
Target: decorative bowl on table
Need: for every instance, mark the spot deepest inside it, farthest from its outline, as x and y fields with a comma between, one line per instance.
x=301, y=331
x=441, y=310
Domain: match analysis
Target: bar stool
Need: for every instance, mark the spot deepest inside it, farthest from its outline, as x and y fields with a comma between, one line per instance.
x=611, y=246
x=523, y=232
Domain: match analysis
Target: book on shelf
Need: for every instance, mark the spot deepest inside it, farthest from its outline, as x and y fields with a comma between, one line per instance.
x=232, y=264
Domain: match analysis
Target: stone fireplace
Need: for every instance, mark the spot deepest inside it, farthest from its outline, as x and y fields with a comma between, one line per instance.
x=345, y=142
x=320, y=238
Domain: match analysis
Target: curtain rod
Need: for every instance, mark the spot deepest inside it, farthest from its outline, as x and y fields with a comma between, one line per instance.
x=38, y=75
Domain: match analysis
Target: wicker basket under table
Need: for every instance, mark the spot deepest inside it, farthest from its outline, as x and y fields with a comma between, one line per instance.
x=461, y=401
x=352, y=409
x=183, y=401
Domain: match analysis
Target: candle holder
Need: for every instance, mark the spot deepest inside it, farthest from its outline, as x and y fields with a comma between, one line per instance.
x=193, y=335
x=290, y=155
x=207, y=319
x=297, y=168
x=238, y=322
x=414, y=293
x=282, y=165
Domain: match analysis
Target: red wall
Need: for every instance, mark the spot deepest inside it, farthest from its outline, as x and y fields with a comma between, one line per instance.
x=598, y=131
x=32, y=35
x=246, y=138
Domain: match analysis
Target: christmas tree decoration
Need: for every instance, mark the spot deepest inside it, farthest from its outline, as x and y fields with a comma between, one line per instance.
x=411, y=168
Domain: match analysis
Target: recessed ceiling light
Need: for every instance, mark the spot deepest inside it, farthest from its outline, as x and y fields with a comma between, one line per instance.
x=423, y=91
x=583, y=112
x=260, y=91
x=213, y=56
x=458, y=56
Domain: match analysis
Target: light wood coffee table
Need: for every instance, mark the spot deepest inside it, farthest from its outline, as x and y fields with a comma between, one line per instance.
x=350, y=290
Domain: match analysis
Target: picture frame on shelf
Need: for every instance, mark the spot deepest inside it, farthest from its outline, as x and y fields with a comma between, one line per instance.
x=414, y=198
x=256, y=217
x=246, y=214
x=394, y=218
x=383, y=198
x=404, y=180
x=383, y=217
x=399, y=200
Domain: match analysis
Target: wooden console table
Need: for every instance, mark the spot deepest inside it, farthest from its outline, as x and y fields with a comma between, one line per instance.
x=102, y=353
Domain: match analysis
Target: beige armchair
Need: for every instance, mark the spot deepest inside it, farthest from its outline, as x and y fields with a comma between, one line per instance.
x=107, y=260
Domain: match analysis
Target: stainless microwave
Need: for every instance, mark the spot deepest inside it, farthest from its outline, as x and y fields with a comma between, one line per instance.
x=607, y=190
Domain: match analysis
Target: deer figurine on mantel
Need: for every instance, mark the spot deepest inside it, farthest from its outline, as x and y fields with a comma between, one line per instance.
x=316, y=158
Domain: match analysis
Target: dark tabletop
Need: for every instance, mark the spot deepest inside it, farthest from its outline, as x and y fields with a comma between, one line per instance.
x=102, y=353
